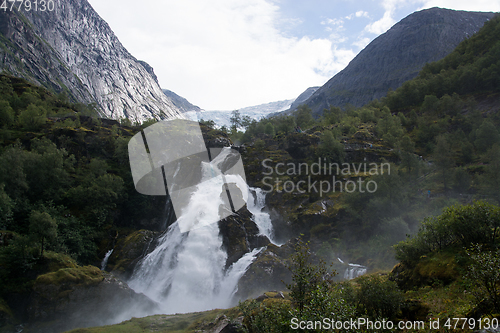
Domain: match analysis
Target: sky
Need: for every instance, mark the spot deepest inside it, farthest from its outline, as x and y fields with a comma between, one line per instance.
x=230, y=54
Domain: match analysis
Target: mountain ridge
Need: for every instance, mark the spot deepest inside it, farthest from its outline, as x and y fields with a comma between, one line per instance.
x=397, y=56
x=82, y=57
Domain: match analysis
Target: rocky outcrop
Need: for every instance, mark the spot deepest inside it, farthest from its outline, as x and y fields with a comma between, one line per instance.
x=397, y=56
x=180, y=102
x=240, y=235
x=303, y=97
x=268, y=272
x=129, y=251
x=72, y=50
x=82, y=297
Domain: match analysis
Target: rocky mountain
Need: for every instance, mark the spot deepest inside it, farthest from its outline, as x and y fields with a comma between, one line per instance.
x=180, y=102
x=303, y=97
x=397, y=56
x=73, y=50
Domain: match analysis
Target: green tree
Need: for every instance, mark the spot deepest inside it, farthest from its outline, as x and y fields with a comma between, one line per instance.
x=33, y=117
x=285, y=124
x=235, y=121
x=7, y=114
x=330, y=149
x=443, y=158
x=378, y=297
x=491, y=178
x=408, y=158
x=333, y=115
x=269, y=129
x=304, y=116
x=43, y=227
x=486, y=136
x=483, y=272
x=209, y=123
x=461, y=180
x=6, y=206
x=306, y=276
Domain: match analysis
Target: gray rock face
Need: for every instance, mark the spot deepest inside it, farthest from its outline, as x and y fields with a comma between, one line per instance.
x=180, y=102
x=397, y=56
x=303, y=97
x=72, y=49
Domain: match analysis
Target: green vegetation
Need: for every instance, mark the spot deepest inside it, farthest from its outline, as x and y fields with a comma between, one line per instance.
x=67, y=196
x=65, y=186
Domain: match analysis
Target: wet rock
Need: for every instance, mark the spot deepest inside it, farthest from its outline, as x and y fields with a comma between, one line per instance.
x=268, y=272
x=129, y=251
x=223, y=324
x=240, y=235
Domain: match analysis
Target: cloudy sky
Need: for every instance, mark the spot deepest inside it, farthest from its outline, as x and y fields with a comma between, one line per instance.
x=229, y=54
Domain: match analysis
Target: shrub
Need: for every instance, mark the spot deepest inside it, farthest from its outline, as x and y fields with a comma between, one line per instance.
x=484, y=273
x=33, y=117
x=378, y=297
x=478, y=223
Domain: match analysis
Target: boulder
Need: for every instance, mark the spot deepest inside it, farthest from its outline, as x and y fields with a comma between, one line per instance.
x=240, y=235
x=129, y=251
x=268, y=272
x=82, y=297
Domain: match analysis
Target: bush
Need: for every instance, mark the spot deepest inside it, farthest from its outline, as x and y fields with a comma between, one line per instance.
x=266, y=317
x=478, y=223
x=484, y=273
x=32, y=118
x=378, y=297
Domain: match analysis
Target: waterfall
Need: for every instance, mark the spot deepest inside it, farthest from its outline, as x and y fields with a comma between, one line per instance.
x=255, y=205
x=105, y=260
x=353, y=271
x=186, y=271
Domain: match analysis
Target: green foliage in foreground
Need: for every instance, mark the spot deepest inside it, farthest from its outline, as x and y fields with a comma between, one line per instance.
x=314, y=296
x=478, y=223
x=65, y=183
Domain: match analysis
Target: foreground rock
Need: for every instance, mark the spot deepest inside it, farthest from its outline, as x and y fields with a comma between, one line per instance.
x=82, y=297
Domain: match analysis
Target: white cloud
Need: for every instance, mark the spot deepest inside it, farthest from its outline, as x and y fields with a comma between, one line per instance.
x=362, y=14
x=387, y=20
x=362, y=42
x=222, y=54
x=382, y=25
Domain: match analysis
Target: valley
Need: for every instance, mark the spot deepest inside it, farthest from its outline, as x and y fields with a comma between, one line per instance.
x=384, y=208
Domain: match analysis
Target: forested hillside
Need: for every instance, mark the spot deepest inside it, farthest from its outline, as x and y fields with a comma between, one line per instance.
x=425, y=163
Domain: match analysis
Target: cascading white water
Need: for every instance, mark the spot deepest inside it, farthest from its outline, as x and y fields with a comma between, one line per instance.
x=186, y=271
x=353, y=271
x=105, y=260
x=256, y=203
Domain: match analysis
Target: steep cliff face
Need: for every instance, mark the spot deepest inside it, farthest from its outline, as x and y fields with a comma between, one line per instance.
x=72, y=49
x=180, y=102
x=397, y=56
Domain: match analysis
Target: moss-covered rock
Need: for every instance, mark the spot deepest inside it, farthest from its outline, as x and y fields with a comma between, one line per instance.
x=267, y=272
x=129, y=250
x=434, y=268
x=7, y=319
x=81, y=297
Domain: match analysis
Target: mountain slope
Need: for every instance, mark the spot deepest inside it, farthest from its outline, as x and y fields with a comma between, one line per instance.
x=397, y=56
x=72, y=49
x=180, y=102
